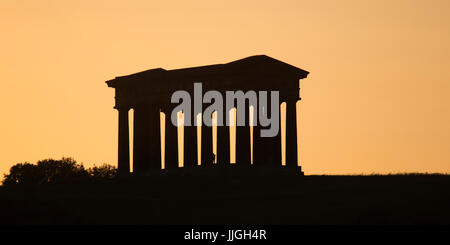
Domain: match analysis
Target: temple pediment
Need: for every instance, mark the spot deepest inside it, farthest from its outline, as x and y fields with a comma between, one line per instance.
x=261, y=65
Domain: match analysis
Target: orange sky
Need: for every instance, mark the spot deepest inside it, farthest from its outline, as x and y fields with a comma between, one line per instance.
x=376, y=100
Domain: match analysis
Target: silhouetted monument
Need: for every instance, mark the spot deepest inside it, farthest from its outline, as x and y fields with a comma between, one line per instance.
x=149, y=93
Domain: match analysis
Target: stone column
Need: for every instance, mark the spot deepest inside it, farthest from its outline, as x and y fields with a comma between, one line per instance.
x=291, y=131
x=223, y=141
x=190, y=140
x=147, y=143
x=140, y=152
x=259, y=146
x=154, y=138
x=171, y=142
x=207, y=147
x=124, y=146
x=267, y=150
x=243, y=150
x=190, y=146
x=275, y=142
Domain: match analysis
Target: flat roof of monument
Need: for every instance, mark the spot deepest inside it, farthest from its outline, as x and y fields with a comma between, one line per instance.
x=253, y=64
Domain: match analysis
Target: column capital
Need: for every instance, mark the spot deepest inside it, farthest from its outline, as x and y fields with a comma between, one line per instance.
x=167, y=107
x=289, y=97
x=122, y=108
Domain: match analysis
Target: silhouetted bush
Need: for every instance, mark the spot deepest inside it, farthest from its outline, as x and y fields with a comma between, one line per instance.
x=22, y=173
x=104, y=171
x=47, y=171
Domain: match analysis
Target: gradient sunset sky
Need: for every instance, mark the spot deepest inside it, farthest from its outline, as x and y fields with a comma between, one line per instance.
x=377, y=99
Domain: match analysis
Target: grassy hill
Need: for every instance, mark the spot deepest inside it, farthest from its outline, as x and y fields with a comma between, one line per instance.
x=377, y=199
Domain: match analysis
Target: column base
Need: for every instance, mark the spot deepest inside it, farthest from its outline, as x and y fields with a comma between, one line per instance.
x=228, y=170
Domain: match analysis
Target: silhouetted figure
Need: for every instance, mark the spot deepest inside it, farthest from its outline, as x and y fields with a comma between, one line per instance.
x=213, y=158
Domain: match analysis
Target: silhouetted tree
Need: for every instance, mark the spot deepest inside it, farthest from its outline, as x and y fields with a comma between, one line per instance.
x=65, y=170
x=104, y=171
x=22, y=173
x=61, y=171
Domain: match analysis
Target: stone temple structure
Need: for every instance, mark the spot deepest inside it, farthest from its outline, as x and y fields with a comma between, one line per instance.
x=149, y=92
